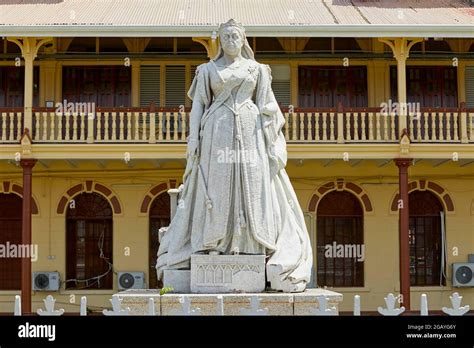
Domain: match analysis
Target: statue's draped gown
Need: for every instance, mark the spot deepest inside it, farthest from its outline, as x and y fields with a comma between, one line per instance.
x=236, y=196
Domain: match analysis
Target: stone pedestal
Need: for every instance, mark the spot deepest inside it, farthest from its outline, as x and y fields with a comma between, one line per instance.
x=213, y=274
x=276, y=303
x=306, y=302
x=137, y=300
x=179, y=280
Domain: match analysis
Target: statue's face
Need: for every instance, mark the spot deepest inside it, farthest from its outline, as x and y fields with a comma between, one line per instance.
x=232, y=41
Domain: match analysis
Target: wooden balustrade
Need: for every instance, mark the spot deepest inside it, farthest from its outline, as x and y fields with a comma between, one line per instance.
x=149, y=125
x=11, y=125
x=110, y=126
x=366, y=125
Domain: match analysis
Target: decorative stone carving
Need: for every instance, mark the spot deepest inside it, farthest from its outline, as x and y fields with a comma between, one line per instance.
x=456, y=309
x=49, y=303
x=391, y=310
x=324, y=309
x=227, y=273
x=116, y=308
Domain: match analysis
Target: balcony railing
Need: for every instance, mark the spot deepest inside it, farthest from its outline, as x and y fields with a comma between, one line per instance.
x=11, y=125
x=142, y=125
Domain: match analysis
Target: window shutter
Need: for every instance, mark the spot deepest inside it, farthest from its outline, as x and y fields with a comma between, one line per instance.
x=175, y=85
x=469, y=86
x=281, y=83
x=193, y=73
x=149, y=85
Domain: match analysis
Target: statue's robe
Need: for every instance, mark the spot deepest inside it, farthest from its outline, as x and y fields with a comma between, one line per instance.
x=245, y=204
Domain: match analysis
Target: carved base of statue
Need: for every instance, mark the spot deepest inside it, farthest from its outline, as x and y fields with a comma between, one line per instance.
x=214, y=274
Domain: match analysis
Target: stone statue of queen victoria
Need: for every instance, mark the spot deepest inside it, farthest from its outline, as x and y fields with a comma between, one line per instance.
x=236, y=196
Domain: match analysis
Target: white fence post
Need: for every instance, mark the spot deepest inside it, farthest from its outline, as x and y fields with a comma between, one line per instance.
x=151, y=306
x=424, y=305
x=17, y=311
x=254, y=308
x=220, y=305
x=83, y=306
x=356, y=305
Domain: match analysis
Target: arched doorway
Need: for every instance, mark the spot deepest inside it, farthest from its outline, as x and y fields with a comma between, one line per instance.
x=10, y=233
x=425, y=239
x=159, y=217
x=340, y=240
x=89, y=235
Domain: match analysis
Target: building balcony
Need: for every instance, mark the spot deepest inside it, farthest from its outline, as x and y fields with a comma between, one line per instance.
x=303, y=126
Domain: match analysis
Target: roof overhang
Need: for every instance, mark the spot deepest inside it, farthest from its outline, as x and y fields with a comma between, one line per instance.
x=327, y=30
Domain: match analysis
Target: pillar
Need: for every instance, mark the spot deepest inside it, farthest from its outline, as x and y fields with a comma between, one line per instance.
x=47, y=81
x=29, y=49
x=401, y=51
x=403, y=226
x=294, y=84
x=27, y=165
x=136, y=66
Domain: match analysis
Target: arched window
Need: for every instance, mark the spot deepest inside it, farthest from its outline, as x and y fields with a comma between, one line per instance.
x=340, y=240
x=89, y=243
x=159, y=217
x=425, y=239
x=10, y=233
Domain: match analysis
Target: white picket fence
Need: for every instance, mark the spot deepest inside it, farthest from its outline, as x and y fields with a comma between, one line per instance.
x=323, y=309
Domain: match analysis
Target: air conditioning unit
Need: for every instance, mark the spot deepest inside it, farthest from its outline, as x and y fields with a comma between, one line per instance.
x=131, y=280
x=46, y=281
x=463, y=275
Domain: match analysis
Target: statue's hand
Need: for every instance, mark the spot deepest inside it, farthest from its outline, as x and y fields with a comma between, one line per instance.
x=192, y=147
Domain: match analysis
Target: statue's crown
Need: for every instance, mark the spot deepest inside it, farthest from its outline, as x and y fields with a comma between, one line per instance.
x=231, y=23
